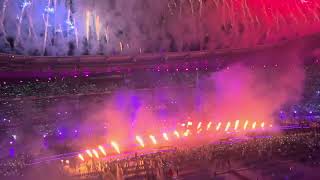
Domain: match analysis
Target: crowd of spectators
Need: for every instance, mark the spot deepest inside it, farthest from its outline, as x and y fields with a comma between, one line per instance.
x=301, y=147
x=218, y=157
x=32, y=106
x=23, y=102
x=14, y=166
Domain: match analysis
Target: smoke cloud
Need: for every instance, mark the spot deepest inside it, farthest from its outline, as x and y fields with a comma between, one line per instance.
x=255, y=88
x=68, y=27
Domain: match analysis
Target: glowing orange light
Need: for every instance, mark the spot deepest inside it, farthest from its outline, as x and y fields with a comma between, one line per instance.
x=236, y=125
x=88, y=14
x=189, y=123
x=115, y=146
x=140, y=141
x=176, y=133
x=102, y=150
x=81, y=157
x=89, y=153
x=209, y=125
x=165, y=136
x=262, y=125
x=218, y=126
x=95, y=153
x=153, y=139
x=245, y=125
x=227, y=126
x=254, y=125
x=186, y=133
x=199, y=125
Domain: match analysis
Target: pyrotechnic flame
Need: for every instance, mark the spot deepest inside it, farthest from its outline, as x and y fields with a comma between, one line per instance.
x=153, y=139
x=209, y=125
x=165, y=136
x=102, y=150
x=236, y=125
x=189, y=123
x=245, y=125
x=186, y=133
x=254, y=125
x=115, y=146
x=89, y=153
x=227, y=126
x=199, y=125
x=262, y=125
x=81, y=157
x=218, y=126
x=95, y=153
x=140, y=141
x=176, y=133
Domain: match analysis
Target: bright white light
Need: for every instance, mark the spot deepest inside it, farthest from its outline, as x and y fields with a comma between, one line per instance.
x=26, y=3
x=49, y=10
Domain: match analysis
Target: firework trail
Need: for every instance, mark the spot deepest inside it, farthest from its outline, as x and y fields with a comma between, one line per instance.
x=32, y=33
x=55, y=15
x=46, y=23
x=3, y=12
x=69, y=21
x=25, y=5
x=121, y=46
x=191, y=6
x=88, y=14
x=98, y=27
x=77, y=38
x=200, y=7
x=180, y=8
x=236, y=23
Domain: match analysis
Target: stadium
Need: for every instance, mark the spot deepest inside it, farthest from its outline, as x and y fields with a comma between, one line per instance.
x=173, y=89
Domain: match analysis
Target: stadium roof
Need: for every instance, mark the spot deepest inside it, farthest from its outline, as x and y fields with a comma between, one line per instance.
x=20, y=65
